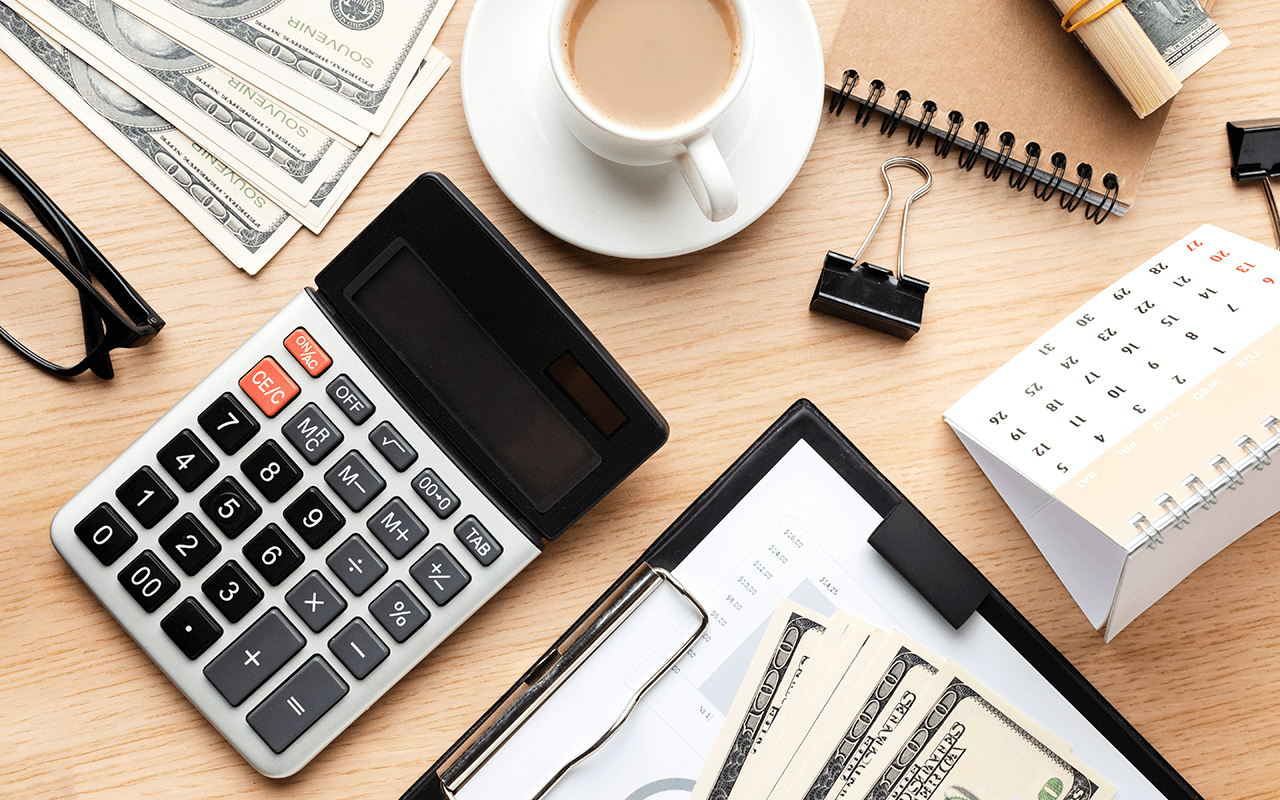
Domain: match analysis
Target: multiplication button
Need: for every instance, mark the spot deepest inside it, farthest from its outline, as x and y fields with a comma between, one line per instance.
x=303, y=698
x=315, y=601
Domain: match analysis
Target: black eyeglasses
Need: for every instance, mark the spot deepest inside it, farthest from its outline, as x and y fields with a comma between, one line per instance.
x=118, y=318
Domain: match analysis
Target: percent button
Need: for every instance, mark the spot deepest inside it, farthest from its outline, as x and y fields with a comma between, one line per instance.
x=399, y=612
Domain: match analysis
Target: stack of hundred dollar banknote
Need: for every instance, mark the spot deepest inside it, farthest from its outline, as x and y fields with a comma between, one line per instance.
x=834, y=707
x=252, y=117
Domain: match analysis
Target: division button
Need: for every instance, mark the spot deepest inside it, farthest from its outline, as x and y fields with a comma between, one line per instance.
x=399, y=612
x=269, y=386
x=191, y=628
x=297, y=703
x=358, y=648
x=302, y=347
x=356, y=565
x=254, y=656
x=315, y=601
x=440, y=574
x=354, y=481
x=343, y=391
x=228, y=423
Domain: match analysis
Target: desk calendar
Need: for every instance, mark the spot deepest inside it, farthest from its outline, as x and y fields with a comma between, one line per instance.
x=1132, y=439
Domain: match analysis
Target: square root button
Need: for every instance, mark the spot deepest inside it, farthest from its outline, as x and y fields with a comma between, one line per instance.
x=440, y=574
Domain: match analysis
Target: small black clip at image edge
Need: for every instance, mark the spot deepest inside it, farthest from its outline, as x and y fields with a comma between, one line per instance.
x=1255, y=156
x=875, y=297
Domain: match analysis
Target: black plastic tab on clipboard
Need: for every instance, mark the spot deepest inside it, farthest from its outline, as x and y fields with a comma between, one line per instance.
x=930, y=563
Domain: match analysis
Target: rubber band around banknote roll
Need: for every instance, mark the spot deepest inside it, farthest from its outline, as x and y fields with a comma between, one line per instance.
x=1070, y=27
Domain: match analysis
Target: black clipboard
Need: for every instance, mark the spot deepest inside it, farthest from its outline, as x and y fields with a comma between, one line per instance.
x=905, y=539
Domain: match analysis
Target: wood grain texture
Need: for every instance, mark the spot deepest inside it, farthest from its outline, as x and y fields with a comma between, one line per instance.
x=722, y=342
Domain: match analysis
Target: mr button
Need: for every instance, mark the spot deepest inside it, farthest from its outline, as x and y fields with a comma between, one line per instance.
x=269, y=386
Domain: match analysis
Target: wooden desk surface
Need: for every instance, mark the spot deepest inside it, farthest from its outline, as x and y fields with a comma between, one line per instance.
x=722, y=342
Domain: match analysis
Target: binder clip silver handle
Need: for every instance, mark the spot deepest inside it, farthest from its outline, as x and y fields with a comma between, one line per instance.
x=873, y=296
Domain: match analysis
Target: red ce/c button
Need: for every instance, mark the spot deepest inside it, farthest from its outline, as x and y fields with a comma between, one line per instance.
x=269, y=386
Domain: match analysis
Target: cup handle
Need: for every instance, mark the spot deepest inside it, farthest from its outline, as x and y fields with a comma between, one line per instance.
x=708, y=177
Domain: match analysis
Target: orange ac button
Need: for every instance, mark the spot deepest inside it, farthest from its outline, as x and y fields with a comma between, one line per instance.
x=304, y=348
x=269, y=386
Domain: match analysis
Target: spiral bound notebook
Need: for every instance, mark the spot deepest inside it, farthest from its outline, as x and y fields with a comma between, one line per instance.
x=1134, y=439
x=999, y=83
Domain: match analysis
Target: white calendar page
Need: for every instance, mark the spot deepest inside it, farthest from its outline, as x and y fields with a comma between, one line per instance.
x=1124, y=400
x=1085, y=393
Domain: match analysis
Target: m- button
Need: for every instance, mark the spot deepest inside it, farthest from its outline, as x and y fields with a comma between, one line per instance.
x=269, y=386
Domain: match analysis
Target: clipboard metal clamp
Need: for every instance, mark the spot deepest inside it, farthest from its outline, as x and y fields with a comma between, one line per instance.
x=554, y=668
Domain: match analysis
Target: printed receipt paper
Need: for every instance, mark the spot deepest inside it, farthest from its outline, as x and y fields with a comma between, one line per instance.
x=799, y=533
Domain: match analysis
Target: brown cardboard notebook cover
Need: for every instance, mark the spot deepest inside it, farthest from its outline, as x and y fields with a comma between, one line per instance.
x=1007, y=63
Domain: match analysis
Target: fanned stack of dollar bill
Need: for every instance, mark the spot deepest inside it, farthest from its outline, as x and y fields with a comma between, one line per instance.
x=252, y=117
x=836, y=708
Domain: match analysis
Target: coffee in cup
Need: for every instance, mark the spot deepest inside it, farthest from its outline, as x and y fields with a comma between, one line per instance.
x=642, y=81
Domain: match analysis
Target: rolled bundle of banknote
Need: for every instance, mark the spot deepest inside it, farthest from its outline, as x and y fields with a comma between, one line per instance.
x=835, y=708
x=1146, y=47
x=248, y=149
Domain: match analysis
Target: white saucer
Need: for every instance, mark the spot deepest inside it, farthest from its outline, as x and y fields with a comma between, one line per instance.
x=634, y=212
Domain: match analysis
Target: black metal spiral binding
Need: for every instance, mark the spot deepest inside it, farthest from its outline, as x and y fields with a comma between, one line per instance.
x=915, y=136
x=890, y=123
x=865, y=107
x=967, y=160
x=1019, y=176
x=993, y=169
x=843, y=95
x=1103, y=209
x=942, y=146
x=1021, y=171
x=1085, y=174
x=1046, y=188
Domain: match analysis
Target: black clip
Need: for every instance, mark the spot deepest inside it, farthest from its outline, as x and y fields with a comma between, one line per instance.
x=1255, y=155
x=869, y=295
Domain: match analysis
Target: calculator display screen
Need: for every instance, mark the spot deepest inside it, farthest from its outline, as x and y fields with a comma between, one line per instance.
x=473, y=378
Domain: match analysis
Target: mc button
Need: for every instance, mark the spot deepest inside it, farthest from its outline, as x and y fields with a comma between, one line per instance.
x=269, y=386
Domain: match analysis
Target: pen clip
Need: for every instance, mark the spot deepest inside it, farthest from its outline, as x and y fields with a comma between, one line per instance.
x=554, y=668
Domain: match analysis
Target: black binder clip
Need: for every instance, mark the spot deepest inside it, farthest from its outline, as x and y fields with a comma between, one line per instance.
x=1255, y=155
x=870, y=295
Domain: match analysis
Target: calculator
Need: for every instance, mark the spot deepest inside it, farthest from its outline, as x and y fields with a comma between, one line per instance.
x=357, y=478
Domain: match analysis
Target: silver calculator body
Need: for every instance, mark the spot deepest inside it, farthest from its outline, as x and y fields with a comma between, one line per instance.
x=306, y=525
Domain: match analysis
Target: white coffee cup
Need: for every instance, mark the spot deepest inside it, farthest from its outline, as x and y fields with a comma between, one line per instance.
x=689, y=143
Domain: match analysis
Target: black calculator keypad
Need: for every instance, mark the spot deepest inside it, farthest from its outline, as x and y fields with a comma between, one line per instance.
x=312, y=433
x=272, y=555
x=230, y=507
x=191, y=628
x=105, y=534
x=228, y=423
x=187, y=461
x=189, y=544
x=146, y=497
x=314, y=518
x=232, y=591
x=271, y=471
x=148, y=581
